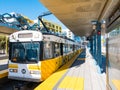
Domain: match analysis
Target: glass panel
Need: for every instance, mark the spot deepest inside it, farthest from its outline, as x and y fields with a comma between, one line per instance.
x=18, y=51
x=65, y=48
x=69, y=48
x=56, y=49
x=25, y=52
x=32, y=51
x=48, y=53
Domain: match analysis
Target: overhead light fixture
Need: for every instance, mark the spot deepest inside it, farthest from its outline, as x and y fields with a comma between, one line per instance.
x=103, y=24
x=94, y=27
x=94, y=22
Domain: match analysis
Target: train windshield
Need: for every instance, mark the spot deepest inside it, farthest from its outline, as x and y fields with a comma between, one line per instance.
x=25, y=52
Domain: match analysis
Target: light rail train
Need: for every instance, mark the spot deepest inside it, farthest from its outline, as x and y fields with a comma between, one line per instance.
x=34, y=56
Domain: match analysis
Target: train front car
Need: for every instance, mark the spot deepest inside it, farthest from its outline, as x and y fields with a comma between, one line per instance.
x=24, y=55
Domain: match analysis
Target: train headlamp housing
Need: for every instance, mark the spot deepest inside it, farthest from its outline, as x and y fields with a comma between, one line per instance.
x=13, y=70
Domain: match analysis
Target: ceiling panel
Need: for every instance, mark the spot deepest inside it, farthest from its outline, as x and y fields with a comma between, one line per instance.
x=76, y=14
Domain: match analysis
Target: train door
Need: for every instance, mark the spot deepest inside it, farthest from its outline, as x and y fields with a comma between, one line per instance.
x=65, y=52
x=57, y=54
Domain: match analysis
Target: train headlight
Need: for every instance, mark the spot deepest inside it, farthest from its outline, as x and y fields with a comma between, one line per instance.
x=34, y=72
x=13, y=70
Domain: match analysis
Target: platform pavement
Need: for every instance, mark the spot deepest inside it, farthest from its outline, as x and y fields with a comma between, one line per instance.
x=81, y=75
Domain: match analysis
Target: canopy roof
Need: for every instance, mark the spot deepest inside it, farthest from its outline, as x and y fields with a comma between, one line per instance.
x=78, y=14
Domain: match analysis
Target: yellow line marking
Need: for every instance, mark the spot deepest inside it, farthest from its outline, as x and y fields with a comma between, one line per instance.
x=50, y=82
x=117, y=84
x=81, y=59
x=72, y=83
x=3, y=73
x=13, y=66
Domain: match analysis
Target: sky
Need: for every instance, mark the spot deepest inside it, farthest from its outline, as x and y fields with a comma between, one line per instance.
x=30, y=8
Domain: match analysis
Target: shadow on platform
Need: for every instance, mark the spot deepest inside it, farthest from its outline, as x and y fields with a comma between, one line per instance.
x=78, y=61
x=103, y=63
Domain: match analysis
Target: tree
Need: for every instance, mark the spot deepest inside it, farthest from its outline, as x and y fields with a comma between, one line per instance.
x=2, y=43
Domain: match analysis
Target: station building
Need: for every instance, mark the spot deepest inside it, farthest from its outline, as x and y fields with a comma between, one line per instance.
x=53, y=27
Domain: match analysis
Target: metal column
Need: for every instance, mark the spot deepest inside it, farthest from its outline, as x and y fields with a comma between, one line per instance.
x=95, y=48
x=91, y=45
x=99, y=57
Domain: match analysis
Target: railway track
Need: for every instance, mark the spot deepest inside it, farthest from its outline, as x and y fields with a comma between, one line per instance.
x=18, y=85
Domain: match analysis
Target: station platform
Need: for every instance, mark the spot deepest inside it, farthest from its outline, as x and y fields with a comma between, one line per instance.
x=3, y=66
x=80, y=73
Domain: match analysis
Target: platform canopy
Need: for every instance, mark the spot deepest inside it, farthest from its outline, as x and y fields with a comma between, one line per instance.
x=6, y=30
x=78, y=14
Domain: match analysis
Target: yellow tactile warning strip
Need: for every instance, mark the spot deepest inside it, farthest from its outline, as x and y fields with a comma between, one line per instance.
x=72, y=83
x=117, y=84
x=3, y=73
x=54, y=78
x=81, y=59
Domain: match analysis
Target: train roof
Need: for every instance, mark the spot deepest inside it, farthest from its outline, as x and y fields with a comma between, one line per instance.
x=25, y=35
x=64, y=37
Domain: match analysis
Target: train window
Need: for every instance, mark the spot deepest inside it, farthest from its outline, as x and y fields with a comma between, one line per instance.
x=32, y=51
x=70, y=48
x=25, y=52
x=56, y=49
x=65, y=48
x=18, y=52
x=48, y=51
